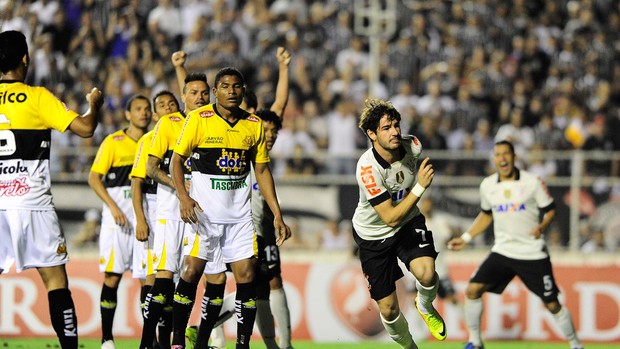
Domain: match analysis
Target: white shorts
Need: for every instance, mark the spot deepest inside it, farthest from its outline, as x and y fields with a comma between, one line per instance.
x=170, y=237
x=116, y=248
x=143, y=254
x=31, y=239
x=219, y=244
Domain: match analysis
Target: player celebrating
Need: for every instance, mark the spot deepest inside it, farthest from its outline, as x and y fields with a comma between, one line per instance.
x=513, y=200
x=29, y=228
x=388, y=225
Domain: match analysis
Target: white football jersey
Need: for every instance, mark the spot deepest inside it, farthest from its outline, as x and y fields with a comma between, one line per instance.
x=516, y=206
x=379, y=181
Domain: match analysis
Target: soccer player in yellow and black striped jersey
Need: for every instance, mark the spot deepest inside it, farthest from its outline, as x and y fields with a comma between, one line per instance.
x=144, y=198
x=222, y=140
x=30, y=233
x=109, y=178
x=169, y=228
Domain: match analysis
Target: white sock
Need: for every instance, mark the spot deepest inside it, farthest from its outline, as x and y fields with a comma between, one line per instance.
x=398, y=329
x=565, y=322
x=218, y=339
x=426, y=296
x=282, y=316
x=265, y=324
x=473, y=315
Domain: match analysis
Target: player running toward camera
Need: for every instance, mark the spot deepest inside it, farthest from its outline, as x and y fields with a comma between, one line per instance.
x=109, y=179
x=513, y=201
x=389, y=226
x=144, y=198
x=30, y=232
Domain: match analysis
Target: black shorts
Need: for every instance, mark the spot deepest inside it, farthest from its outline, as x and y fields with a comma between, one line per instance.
x=497, y=271
x=379, y=257
x=268, y=258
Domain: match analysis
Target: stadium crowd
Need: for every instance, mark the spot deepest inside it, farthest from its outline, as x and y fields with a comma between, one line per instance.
x=542, y=74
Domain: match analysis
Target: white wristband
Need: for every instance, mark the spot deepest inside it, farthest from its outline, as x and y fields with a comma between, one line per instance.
x=466, y=237
x=418, y=190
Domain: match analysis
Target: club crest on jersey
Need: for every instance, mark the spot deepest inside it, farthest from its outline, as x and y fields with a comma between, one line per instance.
x=232, y=161
x=248, y=141
x=206, y=114
x=400, y=177
x=507, y=193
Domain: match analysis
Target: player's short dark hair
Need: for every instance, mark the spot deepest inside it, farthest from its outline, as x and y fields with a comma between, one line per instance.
x=228, y=71
x=135, y=97
x=251, y=101
x=374, y=110
x=270, y=116
x=195, y=77
x=165, y=93
x=13, y=47
x=507, y=143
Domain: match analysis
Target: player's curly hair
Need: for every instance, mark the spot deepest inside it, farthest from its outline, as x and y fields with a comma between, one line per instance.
x=374, y=109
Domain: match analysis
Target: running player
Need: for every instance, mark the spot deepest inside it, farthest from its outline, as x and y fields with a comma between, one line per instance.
x=389, y=226
x=513, y=200
x=29, y=227
x=109, y=179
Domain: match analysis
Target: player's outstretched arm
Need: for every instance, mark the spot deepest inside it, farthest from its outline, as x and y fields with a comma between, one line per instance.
x=85, y=125
x=482, y=221
x=282, y=88
x=178, y=62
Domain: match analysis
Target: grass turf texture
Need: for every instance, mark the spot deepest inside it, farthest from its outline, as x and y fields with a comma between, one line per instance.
x=130, y=344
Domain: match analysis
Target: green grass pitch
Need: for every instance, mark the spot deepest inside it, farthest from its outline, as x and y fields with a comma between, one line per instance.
x=132, y=344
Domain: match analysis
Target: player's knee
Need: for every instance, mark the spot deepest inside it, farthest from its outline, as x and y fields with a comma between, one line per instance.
x=554, y=306
x=474, y=291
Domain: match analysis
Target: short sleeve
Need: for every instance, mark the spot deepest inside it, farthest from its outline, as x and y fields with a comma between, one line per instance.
x=138, y=170
x=55, y=113
x=370, y=182
x=103, y=160
x=159, y=143
x=189, y=138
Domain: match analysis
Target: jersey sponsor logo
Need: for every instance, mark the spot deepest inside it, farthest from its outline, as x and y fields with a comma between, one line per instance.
x=214, y=140
x=12, y=97
x=175, y=118
x=231, y=161
x=17, y=168
x=255, y=186
x=4, y=119
x=369, y=180
x=253, y=118
x=206, y=114
x=399, y=195
x=14, y=187
x=415, y=140
x=509, y=207
x=228, y=184
x=118, y=138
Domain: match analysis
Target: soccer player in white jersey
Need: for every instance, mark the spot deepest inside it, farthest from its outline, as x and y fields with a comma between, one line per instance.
x=109, y=179
x=389, y=226
x=222, y=140
x=513, y=200
x=30, y=234
x=170, y=230
x=144, y=198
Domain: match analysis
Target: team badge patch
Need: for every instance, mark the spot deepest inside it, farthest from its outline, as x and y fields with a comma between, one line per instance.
x=400, y=177
x=507, y=193
x=62, y=249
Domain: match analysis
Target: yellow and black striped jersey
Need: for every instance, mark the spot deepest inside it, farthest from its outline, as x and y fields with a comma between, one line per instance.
x=114, y=161
x=165, y=136
x=27, y=116
x=220, y=157
x=139, y=165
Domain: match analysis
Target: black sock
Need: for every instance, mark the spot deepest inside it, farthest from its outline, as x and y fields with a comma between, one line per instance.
x=159, y=295
x=108, y=308
x=211, y=306
x=143, y=292
x=184, y=297
x=245, y=308
x=64, y=319
x=165, y=324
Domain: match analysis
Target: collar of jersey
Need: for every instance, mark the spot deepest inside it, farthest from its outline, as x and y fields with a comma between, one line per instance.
x=8, y=81
x=382, y=161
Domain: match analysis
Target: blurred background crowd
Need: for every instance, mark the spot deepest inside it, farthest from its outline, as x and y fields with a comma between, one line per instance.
x=544, y=74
